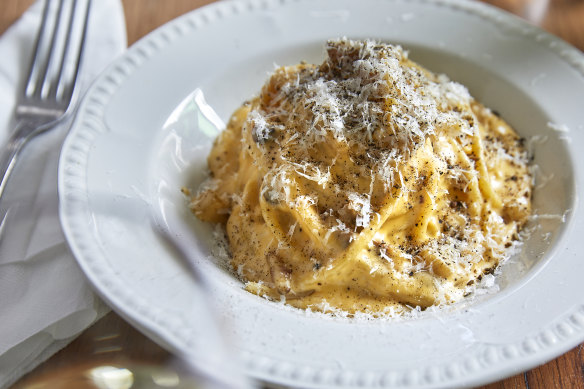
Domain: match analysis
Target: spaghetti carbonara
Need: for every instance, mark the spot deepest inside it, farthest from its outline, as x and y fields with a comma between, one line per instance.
x=366, y=183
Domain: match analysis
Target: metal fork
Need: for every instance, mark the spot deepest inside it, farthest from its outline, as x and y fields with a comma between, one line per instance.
x=53, y=70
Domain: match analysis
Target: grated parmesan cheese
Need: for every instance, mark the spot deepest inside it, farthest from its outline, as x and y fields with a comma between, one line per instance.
x=367, y=185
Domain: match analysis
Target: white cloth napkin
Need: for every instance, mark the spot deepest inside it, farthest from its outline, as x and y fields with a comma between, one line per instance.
x=45, y=301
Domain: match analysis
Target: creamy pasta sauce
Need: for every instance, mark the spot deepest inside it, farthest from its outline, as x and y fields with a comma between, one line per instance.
x=365, y=184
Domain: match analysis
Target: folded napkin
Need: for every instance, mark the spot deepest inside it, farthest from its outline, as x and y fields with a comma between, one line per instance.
x=45, y=300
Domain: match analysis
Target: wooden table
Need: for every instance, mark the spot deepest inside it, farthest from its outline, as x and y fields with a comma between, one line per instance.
x=111, y=340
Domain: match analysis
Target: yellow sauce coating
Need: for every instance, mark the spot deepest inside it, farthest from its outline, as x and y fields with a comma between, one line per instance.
x=366, y=183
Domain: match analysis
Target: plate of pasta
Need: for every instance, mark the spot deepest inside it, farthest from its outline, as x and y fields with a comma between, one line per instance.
x=372, y=196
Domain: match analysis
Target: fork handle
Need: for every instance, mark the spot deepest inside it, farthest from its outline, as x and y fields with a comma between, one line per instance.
x=11, y=150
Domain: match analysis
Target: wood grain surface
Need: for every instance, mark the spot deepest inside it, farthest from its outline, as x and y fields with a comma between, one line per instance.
x=113, y=341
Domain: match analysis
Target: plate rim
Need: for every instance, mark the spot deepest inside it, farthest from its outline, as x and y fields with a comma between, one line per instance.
x=70, y=179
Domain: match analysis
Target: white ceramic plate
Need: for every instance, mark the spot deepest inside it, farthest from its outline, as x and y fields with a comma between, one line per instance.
x=146, y=125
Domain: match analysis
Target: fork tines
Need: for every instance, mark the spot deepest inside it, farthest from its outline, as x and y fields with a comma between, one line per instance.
x=56, y=59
